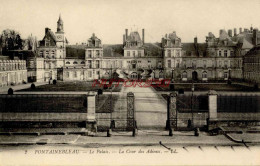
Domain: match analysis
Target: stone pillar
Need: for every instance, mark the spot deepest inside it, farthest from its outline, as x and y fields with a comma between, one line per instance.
x=130, y=111
x=91, y=112
x=172, y=112
x=213, y=105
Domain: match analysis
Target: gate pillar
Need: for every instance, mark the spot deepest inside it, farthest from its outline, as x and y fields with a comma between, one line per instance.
x=171, y=112
x=130, y=111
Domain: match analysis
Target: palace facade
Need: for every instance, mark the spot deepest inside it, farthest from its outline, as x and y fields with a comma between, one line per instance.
x=219, y=58
x=12, y=72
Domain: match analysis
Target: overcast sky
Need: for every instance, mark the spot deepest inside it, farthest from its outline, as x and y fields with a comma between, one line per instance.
x=109, y=18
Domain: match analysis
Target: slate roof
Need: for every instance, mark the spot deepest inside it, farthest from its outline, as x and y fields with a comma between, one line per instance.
x=194, y=50
x=20, y=54
x=75, y=51
x=115, y=50
x=133, y=36
x=255, y=51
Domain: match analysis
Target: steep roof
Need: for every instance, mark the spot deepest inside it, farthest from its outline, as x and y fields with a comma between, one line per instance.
x=75, y=51
x=255, y=51
x=133, y=36
x=115, y=50
x=153, y=49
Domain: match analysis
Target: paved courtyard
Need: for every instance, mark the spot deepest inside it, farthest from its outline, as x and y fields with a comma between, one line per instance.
x=151, y=108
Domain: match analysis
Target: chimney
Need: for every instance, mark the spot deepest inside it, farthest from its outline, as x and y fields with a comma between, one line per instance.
x=195, y=40
x=255, y=31
x=235, y=31
x=123, y=39
x=143, y=35
x=46, y=30
x=220, y=31
x=230, y=32
x=126, y=33
x=240, y=30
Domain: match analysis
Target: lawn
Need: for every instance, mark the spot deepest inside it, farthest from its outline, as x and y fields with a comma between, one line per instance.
x=103, y=103
x=206, y=87
x=72, y=86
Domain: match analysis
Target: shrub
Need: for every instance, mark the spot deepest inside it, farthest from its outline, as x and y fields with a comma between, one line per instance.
x=10, y=91
x=256, y=87
x=172, y=87
x=181, y=91
x=33, y=86
x=100, y=92
x=229, y=82
x=54, y=82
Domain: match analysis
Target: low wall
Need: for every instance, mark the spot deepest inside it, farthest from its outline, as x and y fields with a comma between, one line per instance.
x=48, y=107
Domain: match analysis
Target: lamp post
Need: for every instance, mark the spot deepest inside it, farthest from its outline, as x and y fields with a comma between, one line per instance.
x=111, y=100
x=192, y=90
x=172, y=74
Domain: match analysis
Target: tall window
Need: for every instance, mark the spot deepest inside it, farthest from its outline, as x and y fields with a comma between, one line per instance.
x=226, y=64
x=219, y=53
x=177, y=53
x=169, y=53
x=169, y=63
x=193, y=64
x=204, y=74
x=225, y=53
x=139, y=53
x=90, y=73
x=220, y=64
x=97, y=53
x=97, y=64
x=75, y=74
x=231, y=53
x=204, y=63
x=178, y=64
x=184, y=74
x=89, y=54
x=90, y=64
x=226, y=75
x=134, y=53
x=128, y=53
x=184, y=64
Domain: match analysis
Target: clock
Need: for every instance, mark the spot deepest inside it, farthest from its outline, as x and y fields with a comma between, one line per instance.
x=59, y=37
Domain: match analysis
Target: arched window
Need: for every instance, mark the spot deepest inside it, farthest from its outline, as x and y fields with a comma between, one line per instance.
x=82, y=62
x=75, y=62
x=184, y=74
x=204, y=74
x=67, y=62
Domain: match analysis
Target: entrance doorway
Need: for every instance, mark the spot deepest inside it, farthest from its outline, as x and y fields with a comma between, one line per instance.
x=194, y=76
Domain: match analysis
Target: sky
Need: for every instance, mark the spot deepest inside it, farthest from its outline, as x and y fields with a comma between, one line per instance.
x=108, y=19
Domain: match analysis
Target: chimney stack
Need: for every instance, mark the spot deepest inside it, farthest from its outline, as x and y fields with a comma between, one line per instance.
x=143, y=35
x=126, y=33
x=46, y=30
x=123, y=39
x=195, y=40
x=240, y=30
x=255, y=31
x=235, y=31
x=230, y=32
x=220, y=31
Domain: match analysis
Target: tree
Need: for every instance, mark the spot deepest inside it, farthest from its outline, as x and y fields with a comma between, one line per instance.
x=32, y=42
x=10, y=40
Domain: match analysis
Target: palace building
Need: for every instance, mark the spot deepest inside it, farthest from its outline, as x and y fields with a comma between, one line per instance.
x=217, y=59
